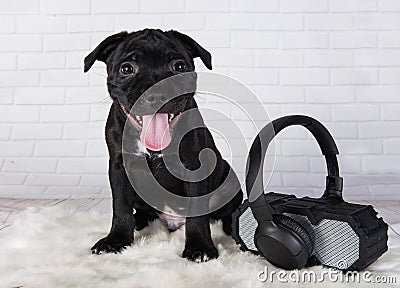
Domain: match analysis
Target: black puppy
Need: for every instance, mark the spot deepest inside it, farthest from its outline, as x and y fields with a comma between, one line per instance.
x=135, y=62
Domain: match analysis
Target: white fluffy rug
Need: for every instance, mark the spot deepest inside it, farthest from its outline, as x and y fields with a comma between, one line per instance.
x=50, y=247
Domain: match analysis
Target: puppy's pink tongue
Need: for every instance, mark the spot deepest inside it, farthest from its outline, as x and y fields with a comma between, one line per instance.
x=155, y=132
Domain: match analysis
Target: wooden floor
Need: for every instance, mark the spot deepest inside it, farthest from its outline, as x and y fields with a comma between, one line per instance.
x=389, y=210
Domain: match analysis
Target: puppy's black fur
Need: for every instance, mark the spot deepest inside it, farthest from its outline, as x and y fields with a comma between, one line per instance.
x=135, y=62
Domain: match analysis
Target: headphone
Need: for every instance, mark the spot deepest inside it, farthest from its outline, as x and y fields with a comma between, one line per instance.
x=280, y=239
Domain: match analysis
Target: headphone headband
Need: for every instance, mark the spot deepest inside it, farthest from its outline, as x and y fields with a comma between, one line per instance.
x=255, y=161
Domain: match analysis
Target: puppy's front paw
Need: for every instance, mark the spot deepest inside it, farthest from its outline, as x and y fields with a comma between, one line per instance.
x=113, y=243
x=200, y=252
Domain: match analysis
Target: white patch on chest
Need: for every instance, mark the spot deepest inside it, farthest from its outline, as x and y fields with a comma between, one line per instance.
x=140, y=148
x=173, y=220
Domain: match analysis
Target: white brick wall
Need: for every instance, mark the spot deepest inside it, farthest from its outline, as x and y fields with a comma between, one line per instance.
x=336, y=60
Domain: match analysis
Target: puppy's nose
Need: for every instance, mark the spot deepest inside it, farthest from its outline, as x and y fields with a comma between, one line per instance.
x=156, y=98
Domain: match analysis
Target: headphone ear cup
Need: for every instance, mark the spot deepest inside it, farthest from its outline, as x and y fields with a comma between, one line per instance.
x=296, y=228
x=284, y=242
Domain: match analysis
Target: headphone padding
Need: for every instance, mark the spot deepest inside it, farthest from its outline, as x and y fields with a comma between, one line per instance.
x=295, y=227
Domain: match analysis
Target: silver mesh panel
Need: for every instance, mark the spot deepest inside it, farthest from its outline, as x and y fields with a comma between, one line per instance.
x=247, y=228
x=336, y=244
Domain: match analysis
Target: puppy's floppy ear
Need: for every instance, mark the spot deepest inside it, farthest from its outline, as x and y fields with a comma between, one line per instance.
x=194, y=48
x=103, y=50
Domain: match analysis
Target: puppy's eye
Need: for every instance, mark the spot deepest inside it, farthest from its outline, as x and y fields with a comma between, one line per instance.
x=179, y=66
x=127, y=69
